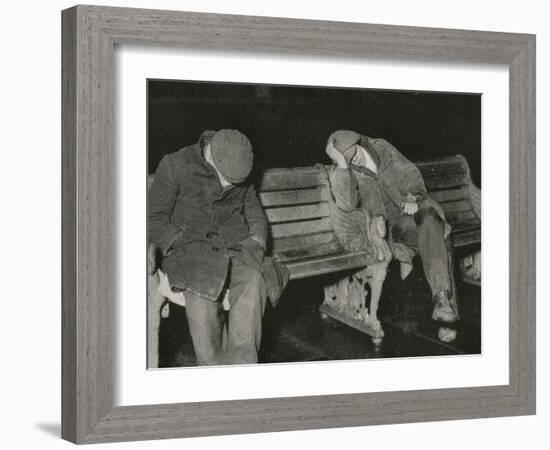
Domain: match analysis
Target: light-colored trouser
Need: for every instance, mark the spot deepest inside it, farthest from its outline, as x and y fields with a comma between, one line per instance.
x=237, y=341
x=427, y=239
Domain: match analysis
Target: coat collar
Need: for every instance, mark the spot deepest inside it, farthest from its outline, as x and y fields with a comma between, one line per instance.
x=220, y=191
x=379, y=158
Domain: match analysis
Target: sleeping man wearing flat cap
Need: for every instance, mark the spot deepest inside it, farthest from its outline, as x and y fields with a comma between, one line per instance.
x=206, y=220
x=372, y=174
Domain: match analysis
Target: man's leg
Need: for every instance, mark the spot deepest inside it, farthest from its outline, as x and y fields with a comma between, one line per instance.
x=206, y=325
x=433, y=251
x=425, y=234
x=247, y=297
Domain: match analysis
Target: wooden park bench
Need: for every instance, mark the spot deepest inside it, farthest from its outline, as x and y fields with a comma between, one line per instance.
x=302, y=236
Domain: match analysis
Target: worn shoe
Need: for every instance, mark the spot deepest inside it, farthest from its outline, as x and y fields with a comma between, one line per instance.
x=443, y=311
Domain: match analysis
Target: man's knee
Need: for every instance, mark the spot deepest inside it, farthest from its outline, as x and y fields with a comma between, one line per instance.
x=247, y=286
x=403, y=227
x=258, y=287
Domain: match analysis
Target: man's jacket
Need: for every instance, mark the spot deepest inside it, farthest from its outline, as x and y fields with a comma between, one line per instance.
x=197, y=225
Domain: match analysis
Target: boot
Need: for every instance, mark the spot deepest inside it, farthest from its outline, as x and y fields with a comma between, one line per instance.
x=443, y=311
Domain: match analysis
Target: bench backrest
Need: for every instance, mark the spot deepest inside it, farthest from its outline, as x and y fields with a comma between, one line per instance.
x=448, y=182
x=295, y=202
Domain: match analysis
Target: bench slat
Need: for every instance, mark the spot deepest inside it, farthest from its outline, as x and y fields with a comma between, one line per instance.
x=300, y=228
x=309, y=252
x=287, y=179
x=450, y=194
x=466, y=225
x=297, y=213
x=456, y=206
x=454, y=164
x=324, y=265
x=283, y=244
x=466, y=238
x=460, y=216
x=295, y=197
x=446, y=181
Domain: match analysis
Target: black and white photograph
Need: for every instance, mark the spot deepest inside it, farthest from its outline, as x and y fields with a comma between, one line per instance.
x=292, y=224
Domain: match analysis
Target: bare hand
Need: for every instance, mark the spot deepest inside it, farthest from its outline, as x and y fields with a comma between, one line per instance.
x=336, y=156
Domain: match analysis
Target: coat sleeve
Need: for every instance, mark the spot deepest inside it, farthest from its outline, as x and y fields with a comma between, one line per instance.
x=162, y=199
x=409, y=179
x=345, y=189
x=255, y=215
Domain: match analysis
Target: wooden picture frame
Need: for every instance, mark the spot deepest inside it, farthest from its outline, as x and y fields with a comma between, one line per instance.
x=89, y=37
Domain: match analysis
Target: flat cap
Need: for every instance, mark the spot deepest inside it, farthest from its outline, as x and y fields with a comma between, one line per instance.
x=232, y=155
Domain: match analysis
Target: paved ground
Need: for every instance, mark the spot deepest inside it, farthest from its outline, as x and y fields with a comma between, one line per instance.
x=295, y=331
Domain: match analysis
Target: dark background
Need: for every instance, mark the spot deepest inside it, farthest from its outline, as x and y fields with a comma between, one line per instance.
x=289, y=125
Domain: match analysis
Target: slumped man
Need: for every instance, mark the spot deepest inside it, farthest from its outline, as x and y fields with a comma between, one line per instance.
x=372, y=174
x=207, y=222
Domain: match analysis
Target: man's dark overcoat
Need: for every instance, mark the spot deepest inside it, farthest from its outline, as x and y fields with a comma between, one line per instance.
x=197, y=225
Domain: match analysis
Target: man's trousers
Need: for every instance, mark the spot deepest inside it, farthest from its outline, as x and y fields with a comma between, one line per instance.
x=237, y=340
x=424, y=233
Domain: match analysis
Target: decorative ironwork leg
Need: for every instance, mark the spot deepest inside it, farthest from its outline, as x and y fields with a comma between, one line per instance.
x=346, y=300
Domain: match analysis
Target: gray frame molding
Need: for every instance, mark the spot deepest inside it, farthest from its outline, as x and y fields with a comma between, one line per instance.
x=89, y=36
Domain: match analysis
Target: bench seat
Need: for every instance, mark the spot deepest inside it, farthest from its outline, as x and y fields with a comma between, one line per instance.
x=321, y=265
